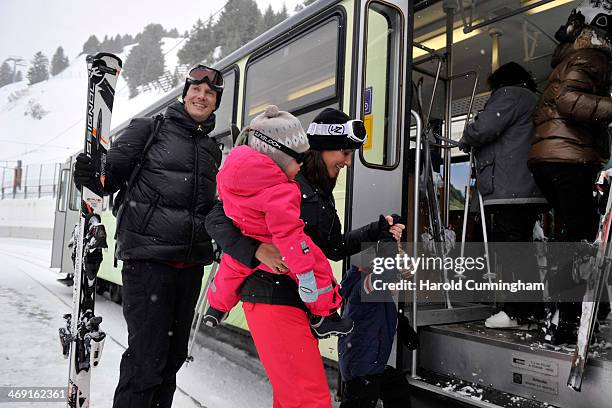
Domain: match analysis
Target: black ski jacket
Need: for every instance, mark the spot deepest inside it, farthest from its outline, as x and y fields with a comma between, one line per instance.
x=322, y=225
x=163, y=218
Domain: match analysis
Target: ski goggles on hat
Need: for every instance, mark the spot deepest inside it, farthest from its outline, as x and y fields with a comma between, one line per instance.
x=353, y=130
x=201, y=73
x=299, y=157
x=572, y=28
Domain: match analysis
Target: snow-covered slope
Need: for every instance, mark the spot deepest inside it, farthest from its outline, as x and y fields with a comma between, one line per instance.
x=61, y=102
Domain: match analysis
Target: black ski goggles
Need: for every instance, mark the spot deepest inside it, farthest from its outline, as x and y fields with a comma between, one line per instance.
x=353, y=129
x=203, y=74
x=299, y=157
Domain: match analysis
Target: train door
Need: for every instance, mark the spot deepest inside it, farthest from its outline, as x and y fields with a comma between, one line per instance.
x=59, y=224
x=73, y=203
x=378, y=175
x=380, y=80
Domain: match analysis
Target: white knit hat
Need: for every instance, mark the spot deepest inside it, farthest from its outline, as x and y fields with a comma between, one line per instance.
x=282, y=127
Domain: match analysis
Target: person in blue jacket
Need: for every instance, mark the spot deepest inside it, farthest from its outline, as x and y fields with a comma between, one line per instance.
x=364, y=353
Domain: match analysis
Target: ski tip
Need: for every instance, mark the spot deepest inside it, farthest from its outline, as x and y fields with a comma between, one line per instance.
x=102, y=55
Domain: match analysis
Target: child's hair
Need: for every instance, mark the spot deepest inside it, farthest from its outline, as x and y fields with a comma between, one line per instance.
x=282, y=127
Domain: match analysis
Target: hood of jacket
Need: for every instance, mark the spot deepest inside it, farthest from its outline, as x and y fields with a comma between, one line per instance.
x=247, y=171
x=177, y=113
x=589, y=38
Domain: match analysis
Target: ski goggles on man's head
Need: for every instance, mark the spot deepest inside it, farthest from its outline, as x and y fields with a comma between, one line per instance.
x=201, y=73
x=353, y=130
x=299, y=157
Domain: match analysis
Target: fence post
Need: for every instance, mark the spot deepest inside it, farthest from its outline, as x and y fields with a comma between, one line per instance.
x=39, y=179
x=17, y=178
x=54, y=177
x=25, y=182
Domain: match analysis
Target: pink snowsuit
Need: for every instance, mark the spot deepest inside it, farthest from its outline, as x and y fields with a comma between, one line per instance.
x=265, y=205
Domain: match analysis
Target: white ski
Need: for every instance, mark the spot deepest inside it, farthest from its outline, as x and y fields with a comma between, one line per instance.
x=82, y=339
x=596, y=282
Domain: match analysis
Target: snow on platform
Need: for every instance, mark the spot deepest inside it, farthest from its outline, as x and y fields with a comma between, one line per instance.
x=32, y=303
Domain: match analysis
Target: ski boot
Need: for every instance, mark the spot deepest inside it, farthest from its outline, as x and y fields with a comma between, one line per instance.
x=213, y=317
x=332, y=325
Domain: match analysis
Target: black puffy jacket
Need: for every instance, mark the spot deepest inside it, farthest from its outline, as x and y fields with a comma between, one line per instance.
x=163, y=219
x=322, y=225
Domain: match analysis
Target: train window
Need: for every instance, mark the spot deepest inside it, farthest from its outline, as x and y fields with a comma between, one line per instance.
x=225, y=114
x=381, y=98
x=296, y=75
x=460, y=173
x=62, y=195
x=74, y=201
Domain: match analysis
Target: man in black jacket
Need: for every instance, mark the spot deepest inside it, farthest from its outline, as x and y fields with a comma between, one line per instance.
x=161, y=237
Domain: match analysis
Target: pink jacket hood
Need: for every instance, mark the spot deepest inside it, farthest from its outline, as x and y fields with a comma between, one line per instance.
x=246, y=172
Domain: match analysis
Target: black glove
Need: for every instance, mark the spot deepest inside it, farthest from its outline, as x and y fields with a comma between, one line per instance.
x=379, y=230
x=406, y=334
x=464, y=147
x=84, y=171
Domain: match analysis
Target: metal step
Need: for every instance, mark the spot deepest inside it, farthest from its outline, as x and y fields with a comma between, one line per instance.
x=516, y=362
x=466, y=393
x=435, y=313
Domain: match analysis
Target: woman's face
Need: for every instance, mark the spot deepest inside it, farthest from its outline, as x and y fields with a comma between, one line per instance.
x=336, y=160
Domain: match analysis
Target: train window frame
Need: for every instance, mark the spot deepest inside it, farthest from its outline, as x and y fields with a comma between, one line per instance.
x=72, y=195
x=337, y=13
x=394, y=51
x=63, y=193
x=233, y=69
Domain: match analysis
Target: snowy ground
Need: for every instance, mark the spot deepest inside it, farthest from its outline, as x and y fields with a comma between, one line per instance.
x=32, y=303
x=61, y=101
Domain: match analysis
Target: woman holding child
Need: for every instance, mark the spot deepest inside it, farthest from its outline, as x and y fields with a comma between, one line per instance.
x=273, y=303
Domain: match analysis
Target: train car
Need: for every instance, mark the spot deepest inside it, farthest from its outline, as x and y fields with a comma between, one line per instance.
x=363, y=56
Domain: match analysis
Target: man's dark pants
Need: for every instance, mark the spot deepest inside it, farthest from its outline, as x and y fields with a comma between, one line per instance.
x=158, y=305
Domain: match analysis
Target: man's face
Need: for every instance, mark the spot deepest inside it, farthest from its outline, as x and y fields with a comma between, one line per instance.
x=200, y=101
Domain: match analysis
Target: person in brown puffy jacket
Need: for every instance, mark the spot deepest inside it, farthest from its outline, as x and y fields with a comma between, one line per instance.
x=571, y=143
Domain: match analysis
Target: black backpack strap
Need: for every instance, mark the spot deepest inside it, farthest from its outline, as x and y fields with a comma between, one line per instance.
x=123, y=193
x=157, y=122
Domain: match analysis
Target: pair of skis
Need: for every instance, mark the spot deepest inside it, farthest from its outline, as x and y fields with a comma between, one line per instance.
x=597, y=282
x=82, y=340
x=437, y=239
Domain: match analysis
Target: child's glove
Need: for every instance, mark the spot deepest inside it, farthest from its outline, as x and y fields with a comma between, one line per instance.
x=307, y=287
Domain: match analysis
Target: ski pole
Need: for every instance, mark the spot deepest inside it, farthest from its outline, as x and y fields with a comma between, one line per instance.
x=200, y=309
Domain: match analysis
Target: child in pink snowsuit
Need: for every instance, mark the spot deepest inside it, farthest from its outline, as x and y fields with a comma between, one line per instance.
x=259, y=194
